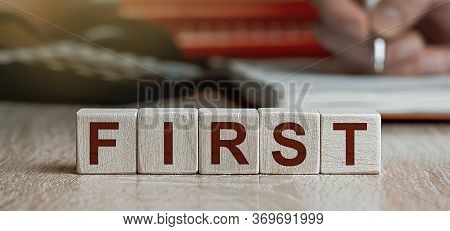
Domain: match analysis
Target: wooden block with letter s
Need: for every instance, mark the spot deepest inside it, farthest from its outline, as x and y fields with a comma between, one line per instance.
x=290, y=141
x=350, y=142
x=228, y=141
x=106, y=141
x=168, y=141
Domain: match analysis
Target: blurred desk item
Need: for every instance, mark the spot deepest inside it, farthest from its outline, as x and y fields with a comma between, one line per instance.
x=73, y=72
x=396, y=97
x=37, y=163
x=95, y=58
x=88, y=60
x=233, y=28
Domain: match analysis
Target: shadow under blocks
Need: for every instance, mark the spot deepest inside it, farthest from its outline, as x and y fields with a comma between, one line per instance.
x=228, y=141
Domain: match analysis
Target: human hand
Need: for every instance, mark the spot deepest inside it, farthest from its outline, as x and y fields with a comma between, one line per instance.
x=417, y=34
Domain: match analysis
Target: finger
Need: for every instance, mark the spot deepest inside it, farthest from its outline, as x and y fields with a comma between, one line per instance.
x=358, y=54
x=435, y=26
x=434, y=60
x=343, y=16
x=392, y=17
x=403, y=48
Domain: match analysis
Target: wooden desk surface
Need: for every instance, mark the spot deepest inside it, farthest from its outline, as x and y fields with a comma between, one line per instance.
x=37, y=162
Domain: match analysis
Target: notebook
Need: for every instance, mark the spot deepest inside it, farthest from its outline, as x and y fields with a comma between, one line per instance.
x=395, y=97
x=233, y=28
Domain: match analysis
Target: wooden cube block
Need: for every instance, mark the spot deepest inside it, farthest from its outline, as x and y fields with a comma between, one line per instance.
x=290, y=141
x=168, y=141
x=351, y=142
x=228, y=141
x=106, y=141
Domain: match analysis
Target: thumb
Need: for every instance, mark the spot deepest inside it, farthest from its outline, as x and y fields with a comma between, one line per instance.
x=392, y=17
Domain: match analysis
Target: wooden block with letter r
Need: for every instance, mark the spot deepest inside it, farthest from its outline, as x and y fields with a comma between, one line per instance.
x=168, y=141
x=350, y=142
x=290, y=141
x=106, y=141
x=228, y=141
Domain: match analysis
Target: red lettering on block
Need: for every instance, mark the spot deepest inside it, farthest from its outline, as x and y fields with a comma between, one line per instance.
x=168, y=143
x=350, y=129
x=95, y=143
x=294, y=144
x=216, y=142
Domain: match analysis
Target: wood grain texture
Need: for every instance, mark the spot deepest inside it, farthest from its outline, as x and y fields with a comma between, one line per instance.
x=308, y=136
x=183, y=140
x=116, y=157
x=342, y=131
x=37, y=172
x=248, y=146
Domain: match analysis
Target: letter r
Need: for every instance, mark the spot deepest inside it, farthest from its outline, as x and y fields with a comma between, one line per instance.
x=216, y=142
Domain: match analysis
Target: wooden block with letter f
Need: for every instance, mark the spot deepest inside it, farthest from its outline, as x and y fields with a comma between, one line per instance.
x=228, y=141
x=168, y=141
x=350, y=142
x=290, y=141
x=106, y=141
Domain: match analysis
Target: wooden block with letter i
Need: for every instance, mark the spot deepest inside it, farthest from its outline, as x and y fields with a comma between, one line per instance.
x=228, y=141
x=290, y=141
x=168, y=141
x=350, y=142
x=106, y=141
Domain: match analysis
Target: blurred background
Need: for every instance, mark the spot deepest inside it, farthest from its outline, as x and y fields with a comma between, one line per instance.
x=96, y=51
x=93, y=51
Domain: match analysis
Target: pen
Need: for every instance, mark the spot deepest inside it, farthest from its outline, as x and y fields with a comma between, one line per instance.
x=379, y=44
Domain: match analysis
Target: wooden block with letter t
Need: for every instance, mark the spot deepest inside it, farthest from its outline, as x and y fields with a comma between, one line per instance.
x=350, y=142
x=168, y=141
x=228, y=141
x=290, y=141
x=106, y=141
